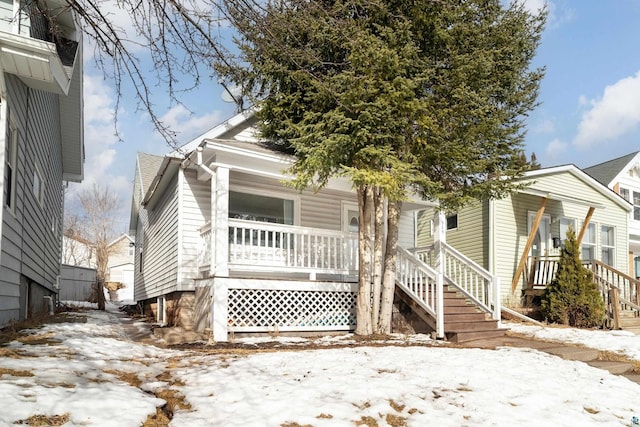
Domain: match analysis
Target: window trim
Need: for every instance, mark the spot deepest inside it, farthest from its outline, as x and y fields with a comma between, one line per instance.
x=11, y=143
x=594, y=244
x=451, y=217
x=612, y=248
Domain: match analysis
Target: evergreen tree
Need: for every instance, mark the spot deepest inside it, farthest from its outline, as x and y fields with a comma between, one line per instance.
x=397, y=96
x=572, y=297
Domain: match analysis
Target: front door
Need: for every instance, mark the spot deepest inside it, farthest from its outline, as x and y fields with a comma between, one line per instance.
x=542, y=238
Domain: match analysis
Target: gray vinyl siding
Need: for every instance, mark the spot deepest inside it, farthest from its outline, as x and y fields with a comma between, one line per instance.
x=32, y=233
x=159, y=246
x=195, y=213
x=317, y=210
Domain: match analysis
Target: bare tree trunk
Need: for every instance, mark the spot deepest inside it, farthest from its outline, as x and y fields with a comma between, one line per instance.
x=389, y=282
x=363, y=305
x=102, y=261
x=378, y=201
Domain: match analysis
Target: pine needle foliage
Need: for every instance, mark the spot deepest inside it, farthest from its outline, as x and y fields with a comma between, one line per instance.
x=572, y=298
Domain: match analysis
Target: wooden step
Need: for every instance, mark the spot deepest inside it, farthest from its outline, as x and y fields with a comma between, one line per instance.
x=464, y=317
x=458, y=337
x=461, y=309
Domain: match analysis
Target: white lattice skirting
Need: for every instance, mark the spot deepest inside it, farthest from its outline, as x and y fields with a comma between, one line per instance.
x=291, y=310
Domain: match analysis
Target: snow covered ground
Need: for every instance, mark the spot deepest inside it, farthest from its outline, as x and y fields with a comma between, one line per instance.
x=90, y=374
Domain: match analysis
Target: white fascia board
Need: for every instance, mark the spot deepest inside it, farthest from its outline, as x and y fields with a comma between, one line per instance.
x=584, y=177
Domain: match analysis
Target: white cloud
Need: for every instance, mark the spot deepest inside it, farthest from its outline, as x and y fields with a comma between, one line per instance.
x=555, y=149
x=545, y=126
x=534, y=6
x=615, y=114
x=187, y=125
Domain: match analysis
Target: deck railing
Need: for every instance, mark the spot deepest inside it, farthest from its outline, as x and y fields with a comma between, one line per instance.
x=608, y=278
x=278, y=247
x=540, y=271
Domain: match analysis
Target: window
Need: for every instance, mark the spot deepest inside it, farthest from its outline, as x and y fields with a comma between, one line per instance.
x=38, y=185
x=259, y=208
x=452, y=221
x=636, y=205
x=624, y=193
x=607, y=244
x=10, y=160
x=564, y=227
x=588, y=248
x=254, y=207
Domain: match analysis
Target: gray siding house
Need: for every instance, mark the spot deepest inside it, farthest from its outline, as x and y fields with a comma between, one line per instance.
x=41, y=146
x=224, y=246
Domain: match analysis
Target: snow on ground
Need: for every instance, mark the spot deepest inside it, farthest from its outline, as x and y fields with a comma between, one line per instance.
x=80, y=369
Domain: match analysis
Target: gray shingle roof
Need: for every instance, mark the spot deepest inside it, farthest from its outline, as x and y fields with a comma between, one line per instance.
x=605, y=172
x=149, y=165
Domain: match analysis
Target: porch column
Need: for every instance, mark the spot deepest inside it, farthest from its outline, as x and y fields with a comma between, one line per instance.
x=527, y=246
x=220, y=221
x=439, y=237
x=219, y=309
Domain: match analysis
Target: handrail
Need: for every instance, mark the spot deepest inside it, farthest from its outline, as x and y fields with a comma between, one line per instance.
x=423, y=284
x=466, y=275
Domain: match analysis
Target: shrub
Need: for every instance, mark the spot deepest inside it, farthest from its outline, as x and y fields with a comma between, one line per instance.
x=572, y=297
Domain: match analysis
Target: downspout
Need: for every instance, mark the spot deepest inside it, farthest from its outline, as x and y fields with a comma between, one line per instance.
x=3, y=141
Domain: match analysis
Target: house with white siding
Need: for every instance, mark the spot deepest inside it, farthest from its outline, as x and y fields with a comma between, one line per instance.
x=41, y=146
x=223, y=245
x=519, y=238
x=622, y=175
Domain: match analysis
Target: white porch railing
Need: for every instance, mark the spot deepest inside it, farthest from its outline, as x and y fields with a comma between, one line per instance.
x=471, y=279
x=260, y=246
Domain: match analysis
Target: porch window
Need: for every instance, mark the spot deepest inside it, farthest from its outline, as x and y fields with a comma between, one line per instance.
x=254, y=207
x=607, y=244
x=259, y=208
x=588, y=248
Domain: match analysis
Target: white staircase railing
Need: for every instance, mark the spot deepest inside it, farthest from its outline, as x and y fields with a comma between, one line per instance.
x=467, y=276
x=423, y=284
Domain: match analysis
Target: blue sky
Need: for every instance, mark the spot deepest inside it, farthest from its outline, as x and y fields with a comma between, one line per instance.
x=589, y=99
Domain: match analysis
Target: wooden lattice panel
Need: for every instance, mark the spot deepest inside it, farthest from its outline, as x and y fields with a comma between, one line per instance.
x=265, y=309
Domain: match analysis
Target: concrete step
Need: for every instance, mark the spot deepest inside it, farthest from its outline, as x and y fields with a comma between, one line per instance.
x=459, y=337
x=484, y=325
x=574, y=353
x=631, y=376
x=615, y=368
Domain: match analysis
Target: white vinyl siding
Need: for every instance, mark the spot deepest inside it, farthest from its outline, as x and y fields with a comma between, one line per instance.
x=159, y=246
x=196, y=212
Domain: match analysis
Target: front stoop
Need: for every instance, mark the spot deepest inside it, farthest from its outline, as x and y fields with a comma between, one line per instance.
x=463, y=321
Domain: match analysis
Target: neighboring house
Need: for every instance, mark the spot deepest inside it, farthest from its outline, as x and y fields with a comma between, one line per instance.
x=518, y=238
x=120, y=266
x=223, y=245
x=41, y=139
x=78, y=251
x=622, y=175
